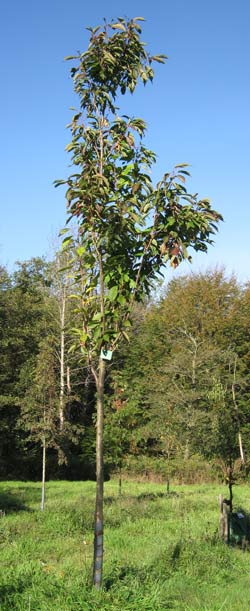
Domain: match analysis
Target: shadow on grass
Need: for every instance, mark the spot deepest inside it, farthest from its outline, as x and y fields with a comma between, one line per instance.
x=18, y=499
x=135, y=579
x=153, y=496
x=7, y=592
x=145, y=496
x=127, y=574
x=176, y=552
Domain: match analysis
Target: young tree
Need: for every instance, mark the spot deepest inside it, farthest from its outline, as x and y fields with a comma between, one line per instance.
x=118, y=425
x=127, y=229
x=59, y=310
x=39, y=407
x=227, y=419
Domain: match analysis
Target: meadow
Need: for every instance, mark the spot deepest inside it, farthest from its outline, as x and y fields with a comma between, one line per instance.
x=162, y=551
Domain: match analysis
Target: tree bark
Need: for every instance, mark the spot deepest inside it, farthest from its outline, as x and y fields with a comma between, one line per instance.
x=230, y=484
x=120, y=480
x=98, y=527
x=242, y=455
x=62, y=358
x=237, y=412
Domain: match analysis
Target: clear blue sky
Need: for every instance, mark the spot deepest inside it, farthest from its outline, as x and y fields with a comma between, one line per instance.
x=197, y=111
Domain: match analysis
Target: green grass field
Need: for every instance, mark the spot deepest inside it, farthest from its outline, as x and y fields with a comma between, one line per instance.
x=161, y=552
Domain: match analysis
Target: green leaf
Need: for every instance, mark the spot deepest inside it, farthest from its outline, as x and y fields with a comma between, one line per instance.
x=106, y=337
x=112, y=294
x=132, y=282
x=67, y=240
x=118, y=26
x=72, y=348
x=147, y=207
x=127, y=323
x=69, y=147
x=182, y=178
x=57, y=183
x=80, y=251
x=127, y=169
x=76, y=331
x=122, y=300
x=171, y=221
x=69, y=57
x=103, y=178
x=159, y=58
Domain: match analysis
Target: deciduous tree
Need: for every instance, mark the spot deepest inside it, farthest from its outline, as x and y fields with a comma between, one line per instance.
x=39, y=407
x=128, y=229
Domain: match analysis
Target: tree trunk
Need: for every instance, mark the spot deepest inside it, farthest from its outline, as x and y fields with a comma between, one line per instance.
x=120, y=480
x=168, y=485
x=62, y=359
x=224, y=520
x=230, y=484
x=98, y=527
x=43, y=475
x=241, y=449
x=237, y=412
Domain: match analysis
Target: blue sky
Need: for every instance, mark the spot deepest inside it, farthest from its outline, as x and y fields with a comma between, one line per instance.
x=197, y=111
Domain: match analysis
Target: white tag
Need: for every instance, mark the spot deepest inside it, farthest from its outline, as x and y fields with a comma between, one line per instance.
x=106, y=354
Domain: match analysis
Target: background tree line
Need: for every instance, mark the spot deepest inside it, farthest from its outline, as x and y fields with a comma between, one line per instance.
x=177, y=394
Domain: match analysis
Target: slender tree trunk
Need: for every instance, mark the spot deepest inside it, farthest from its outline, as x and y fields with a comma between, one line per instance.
x=43, y=474
x=241, y=449
x=237, y=412
x=187, y=449
x=98, y=527
x=62, y=359
x=120, y=480
x=230, y=484
x=68, y=381
x=168, y=470
x=99, y=379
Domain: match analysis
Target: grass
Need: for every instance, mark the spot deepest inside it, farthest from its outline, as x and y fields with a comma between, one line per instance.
x=161, y=552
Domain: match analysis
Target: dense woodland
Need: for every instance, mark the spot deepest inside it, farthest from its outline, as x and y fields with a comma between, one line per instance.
x=177, y=394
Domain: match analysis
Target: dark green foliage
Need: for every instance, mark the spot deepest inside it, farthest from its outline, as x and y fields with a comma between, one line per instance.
x=29, y=323
x=185, y=375
x=22, y=325
x=155, y=416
